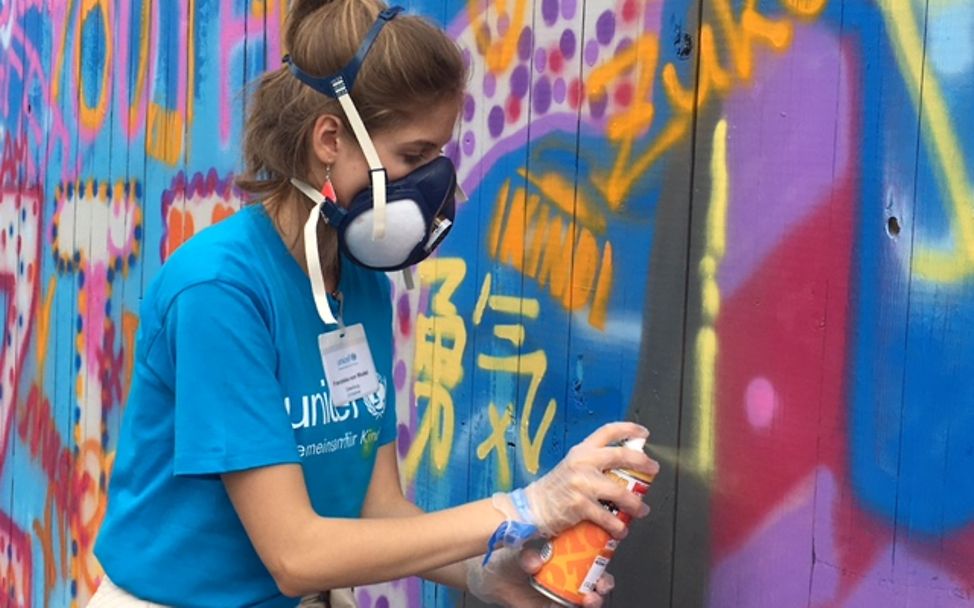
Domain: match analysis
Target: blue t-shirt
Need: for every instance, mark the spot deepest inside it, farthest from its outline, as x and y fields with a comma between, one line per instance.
x=228, y=376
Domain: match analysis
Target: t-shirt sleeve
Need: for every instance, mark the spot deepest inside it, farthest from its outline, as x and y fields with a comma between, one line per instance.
x=229, y=412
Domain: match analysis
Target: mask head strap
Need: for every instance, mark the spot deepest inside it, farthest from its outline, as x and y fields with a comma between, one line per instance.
x=341, y=83
x=339, y=86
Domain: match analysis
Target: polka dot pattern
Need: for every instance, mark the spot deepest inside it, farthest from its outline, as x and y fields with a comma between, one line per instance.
x=531, y=67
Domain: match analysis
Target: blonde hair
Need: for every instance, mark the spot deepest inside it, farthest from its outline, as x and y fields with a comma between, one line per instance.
x=411, y=65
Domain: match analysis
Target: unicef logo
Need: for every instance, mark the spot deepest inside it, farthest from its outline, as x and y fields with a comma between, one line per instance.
x=376, y=402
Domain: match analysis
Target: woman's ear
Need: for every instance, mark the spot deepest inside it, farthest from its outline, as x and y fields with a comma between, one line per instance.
x=324, y=138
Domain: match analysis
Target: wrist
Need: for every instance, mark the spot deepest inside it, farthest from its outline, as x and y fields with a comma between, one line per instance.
x=514, y=506
x=519, y=525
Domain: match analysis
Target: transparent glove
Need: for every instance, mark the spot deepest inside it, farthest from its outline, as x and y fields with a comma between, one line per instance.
x=571, y=491
x=505, y=581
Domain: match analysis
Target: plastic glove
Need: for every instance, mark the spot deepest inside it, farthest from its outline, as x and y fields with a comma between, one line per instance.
x=505, y=581
x=572, y=490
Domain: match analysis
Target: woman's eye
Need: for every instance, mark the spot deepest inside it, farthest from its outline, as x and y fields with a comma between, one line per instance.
x=413, y=159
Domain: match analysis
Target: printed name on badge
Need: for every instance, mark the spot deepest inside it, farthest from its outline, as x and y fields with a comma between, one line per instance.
x=347, y=361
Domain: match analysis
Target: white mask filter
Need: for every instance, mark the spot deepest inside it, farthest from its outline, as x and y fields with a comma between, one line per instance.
x=407, y=228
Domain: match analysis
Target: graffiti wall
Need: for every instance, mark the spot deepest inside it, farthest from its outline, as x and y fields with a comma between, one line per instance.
x=748, y=224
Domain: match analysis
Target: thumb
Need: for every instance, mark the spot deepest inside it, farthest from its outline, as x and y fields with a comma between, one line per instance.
x=531, y=561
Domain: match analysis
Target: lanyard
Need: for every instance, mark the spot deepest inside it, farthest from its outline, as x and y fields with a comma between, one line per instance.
x=314, y=269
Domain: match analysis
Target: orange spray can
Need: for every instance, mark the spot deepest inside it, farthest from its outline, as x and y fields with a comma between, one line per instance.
x=575, y=559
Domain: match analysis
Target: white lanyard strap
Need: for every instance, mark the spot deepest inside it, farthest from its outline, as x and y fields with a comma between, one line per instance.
x=311, y=255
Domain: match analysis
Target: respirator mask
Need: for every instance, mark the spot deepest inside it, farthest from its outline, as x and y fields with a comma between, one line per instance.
x=420, y=206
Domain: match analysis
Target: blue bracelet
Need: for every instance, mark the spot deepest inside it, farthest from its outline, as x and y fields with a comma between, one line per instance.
x=520, y=500
x=513, y=534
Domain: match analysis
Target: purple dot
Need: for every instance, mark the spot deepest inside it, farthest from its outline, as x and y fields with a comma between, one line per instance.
x=624, y=44
x=605, y=27
x=540, y=59
x=549, y=11
x=469, y=106
x=524, y=44
x=503, y=22
x=402, y=310
x=405, y=440
x=399, y=374
x=495, y=121
x=597, y=105
x=519, y=81
x=650, y=20
x=490, y=84
x=364, y=597
x=558, y=90
x=567, y=9
x=452, y=151
x=469, y=142
x=567, y=44
x=591, y=52
x=382, y=602
x=542, y=95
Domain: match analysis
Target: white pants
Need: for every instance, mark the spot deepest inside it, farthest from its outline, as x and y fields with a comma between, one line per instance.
x=109, y=595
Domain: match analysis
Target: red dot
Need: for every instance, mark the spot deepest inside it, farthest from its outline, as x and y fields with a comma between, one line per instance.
x=513, y=108
x=575, y=93
x=629, y=10
x=555, y=61
x=623, y=94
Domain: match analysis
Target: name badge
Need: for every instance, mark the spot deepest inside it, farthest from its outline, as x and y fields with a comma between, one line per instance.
x=347, y=360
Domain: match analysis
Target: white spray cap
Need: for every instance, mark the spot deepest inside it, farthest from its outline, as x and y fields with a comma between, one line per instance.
x=636, y=444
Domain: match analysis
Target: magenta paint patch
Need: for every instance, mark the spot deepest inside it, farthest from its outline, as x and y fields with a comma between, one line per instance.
x=760, y=401
x=403, y=313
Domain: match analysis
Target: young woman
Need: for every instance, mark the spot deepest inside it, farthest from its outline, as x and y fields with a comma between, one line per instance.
x=256, y=462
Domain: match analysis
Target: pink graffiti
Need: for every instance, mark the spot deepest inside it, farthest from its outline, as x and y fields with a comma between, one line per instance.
x=231, y=36
x=134, y=121
x=110, y=217
x=15, y=564
x=20, y=227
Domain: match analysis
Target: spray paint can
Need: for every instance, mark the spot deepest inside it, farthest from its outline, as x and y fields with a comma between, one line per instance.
x=575, y=559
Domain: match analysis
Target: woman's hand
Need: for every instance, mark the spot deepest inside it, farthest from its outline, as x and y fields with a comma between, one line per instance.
x=505, y=581
x=571, y=491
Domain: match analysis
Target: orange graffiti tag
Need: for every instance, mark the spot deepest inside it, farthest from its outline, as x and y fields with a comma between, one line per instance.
x=179, y=227
x=740, y=38
x=498, y=54
x=539, y=236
